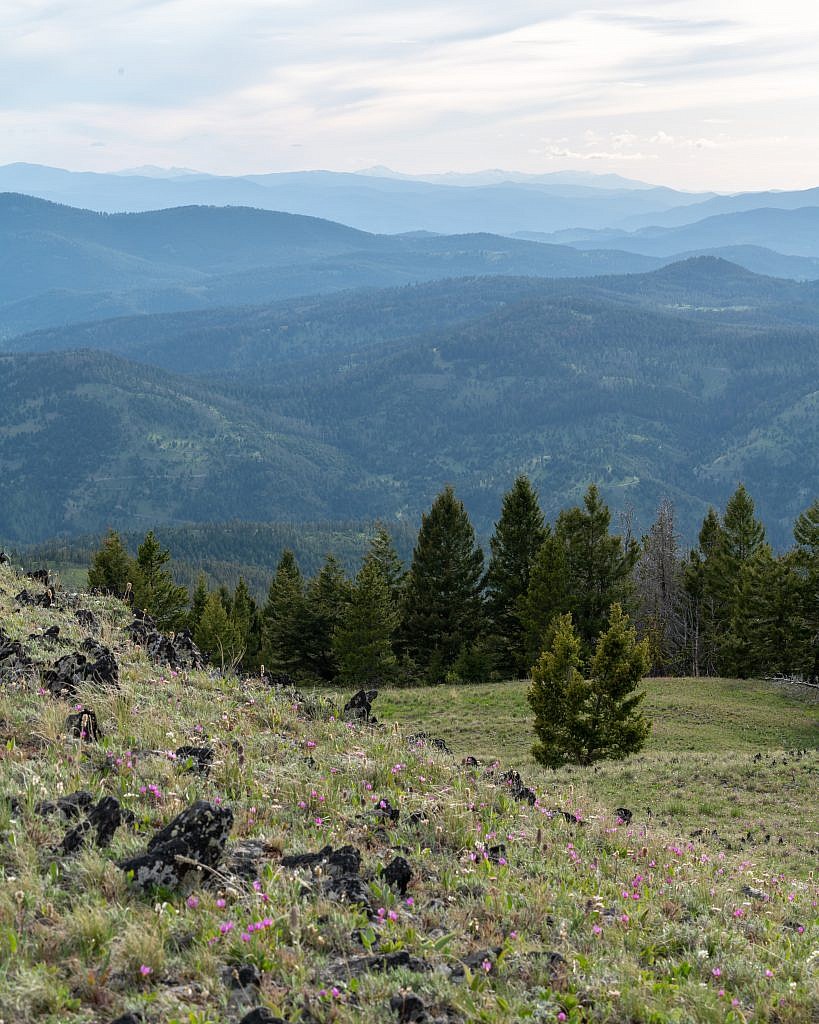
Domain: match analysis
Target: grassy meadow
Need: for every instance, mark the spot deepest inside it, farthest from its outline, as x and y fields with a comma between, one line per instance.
x=695, y=911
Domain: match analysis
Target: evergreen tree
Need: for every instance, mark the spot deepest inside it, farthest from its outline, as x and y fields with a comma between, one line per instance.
x=382, y=551
x=154, y=586
x=740, y=539
x=658, y=584
x=216, y=635
x=442, y=601
x=112, y=568
x=698, y=639
x=283, y=617
x=599, y=565
x=362, y=641
x=519, y=534
x=198, y=602
x=246, y=620
x=546, y=598
x=804, y=562
x=578, y=720
x=327, y=597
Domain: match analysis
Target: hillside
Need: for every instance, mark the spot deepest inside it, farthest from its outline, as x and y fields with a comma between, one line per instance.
x=87, y=439
x=364, y=406
x=351, y=873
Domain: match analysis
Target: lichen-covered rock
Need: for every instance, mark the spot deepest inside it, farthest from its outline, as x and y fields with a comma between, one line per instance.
x=68, y=673
x=177, y=651
x=195, y=839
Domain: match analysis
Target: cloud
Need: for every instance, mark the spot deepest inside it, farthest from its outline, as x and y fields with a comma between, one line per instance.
x=450, y=84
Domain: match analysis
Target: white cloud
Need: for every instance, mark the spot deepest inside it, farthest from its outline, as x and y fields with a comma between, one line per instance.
x=430, y=84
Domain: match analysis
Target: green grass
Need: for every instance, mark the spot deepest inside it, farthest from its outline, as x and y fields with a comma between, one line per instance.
x=705, y=715
x=652, y=922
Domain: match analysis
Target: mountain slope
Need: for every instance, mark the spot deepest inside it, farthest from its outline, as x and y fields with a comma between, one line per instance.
x=87, y=439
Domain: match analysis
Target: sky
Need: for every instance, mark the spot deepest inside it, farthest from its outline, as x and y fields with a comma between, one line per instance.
x=696, y=94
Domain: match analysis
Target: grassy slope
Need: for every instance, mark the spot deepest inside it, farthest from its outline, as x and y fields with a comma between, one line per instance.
x=74, y=936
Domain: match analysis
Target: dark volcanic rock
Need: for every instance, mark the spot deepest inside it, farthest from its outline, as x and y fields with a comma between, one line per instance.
x=339, y=878
x=474, y=961
x=360, y=705
x=82, y=725
x=398, y=874
x=419, y=739
x=387, y=962
x=176, y=651
x=198, y=834
x=624, y=814
x=44, y=600
x=201, y=757
x=14, y=661
x=129, y=1018
x=261, y=1015
x=246, y=858
x=70, y=671
x=384, y=811
x=519, y=791
x=409, y=1008
x=87, y=619
x=242, y=976
x=105, y=817
x=70, y=806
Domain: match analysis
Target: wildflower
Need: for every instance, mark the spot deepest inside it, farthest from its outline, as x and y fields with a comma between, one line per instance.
x=245, y=937
x=220, y=903
x=487, y=966
x=597, y=929
x=392, y=915
x=717, y=972
x=768, y=973
x=192, y=902
x=562, y=1016
x=145, y=970
x=410, y=901
x=225, y=927
x=739, y=912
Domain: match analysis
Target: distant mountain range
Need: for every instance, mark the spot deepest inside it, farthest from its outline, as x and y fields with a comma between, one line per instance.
x=382, y=205
x=677, y=382
x=61, y=265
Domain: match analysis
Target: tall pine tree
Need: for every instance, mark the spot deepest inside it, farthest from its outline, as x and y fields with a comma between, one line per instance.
x=519, y=534
x=326, y=599
x=362, y=640
x=154, y=586
x=546, y=598
x=443, y=605
x=283, y=618
x=112, y=568
x=599, y=565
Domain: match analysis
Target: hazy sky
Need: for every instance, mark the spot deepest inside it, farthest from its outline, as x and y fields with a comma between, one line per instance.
x=693, y=93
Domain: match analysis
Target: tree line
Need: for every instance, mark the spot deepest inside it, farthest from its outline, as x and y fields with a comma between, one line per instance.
x=730, y=606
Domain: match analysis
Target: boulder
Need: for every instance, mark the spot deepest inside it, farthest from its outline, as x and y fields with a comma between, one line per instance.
x=360, y=705
x=195, y=839
x=408, y=1008
x=519, y=791
x=105, y=817
x=68, y=673
x=200, y=758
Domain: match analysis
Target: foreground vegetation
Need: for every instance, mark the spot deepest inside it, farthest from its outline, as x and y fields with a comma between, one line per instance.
x=598, y=921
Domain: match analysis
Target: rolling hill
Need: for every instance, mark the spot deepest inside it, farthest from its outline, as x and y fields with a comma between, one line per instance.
x=364, y=406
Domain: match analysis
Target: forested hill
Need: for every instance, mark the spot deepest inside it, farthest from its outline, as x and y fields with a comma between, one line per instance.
x=262, y=338
x=349, y=420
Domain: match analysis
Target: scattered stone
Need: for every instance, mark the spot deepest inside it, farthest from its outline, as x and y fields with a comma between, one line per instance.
x=44, y=600
x=72, y=670
x=129, y=1018
x=624, y=814
x=246, y=858
x=70, y=806
x=495, y=853
x=519, y=791
x=755, y=894
x=105, y=817
x=40, y=575
x=387, y=962
x=279, y=680
x=420, y=739
x=474, y=961
x=470, y=762
x=82, y=725
x=409, y=1008
x=359, y=706
x=177, y=651
x=242, y=976
x=398, y=874
x=87, y=619
x=14, y=660
x=568, y=816
x=261, y=1015
x=195, y=838
x=339, y=873
x=201, y=758
x=384, y=811
x=4, y=558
